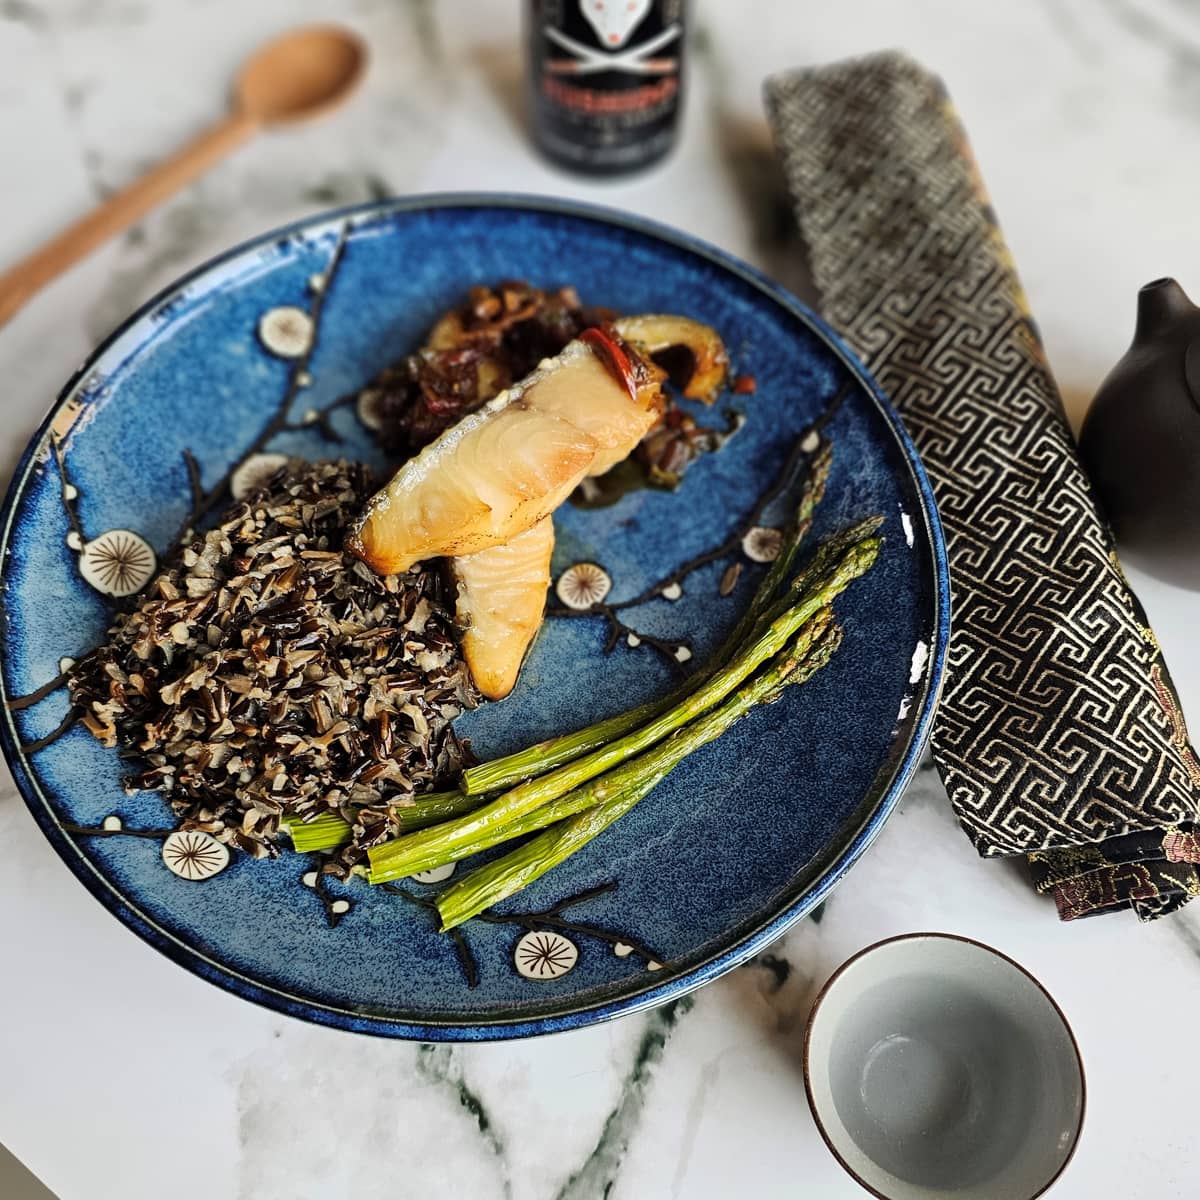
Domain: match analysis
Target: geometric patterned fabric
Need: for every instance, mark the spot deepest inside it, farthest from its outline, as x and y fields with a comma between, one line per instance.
x=1058, y=734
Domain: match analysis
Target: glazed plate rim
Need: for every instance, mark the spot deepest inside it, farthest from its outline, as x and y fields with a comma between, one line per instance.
x=366, y=1020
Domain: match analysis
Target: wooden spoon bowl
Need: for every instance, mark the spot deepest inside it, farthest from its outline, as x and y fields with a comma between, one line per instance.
x=302, y=74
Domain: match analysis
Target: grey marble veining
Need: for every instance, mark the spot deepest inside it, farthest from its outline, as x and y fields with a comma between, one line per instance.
x=134, y=1076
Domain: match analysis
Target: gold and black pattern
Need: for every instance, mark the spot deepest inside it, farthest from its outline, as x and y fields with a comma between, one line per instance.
x=1054, y=729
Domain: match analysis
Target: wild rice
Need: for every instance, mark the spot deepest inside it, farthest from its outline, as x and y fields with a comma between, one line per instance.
x=266, y=674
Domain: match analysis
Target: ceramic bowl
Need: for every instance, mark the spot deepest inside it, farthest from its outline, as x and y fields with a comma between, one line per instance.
x=937, y=1067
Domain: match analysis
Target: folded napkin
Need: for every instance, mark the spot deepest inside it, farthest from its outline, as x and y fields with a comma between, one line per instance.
x=1059, y=734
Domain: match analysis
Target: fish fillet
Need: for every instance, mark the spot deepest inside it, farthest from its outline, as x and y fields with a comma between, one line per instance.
x=501, y=601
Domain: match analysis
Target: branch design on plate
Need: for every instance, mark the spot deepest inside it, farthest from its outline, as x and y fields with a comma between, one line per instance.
x=119, y=562
x=583, y=588
x=544, y=951
x=316, y=878
x=291, y=333
x=114, y=826
x=192, y=854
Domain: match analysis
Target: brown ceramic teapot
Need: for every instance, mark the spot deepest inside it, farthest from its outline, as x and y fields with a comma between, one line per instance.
x=1140, y=441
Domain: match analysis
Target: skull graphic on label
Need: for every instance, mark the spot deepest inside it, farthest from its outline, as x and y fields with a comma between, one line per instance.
x=614, y=20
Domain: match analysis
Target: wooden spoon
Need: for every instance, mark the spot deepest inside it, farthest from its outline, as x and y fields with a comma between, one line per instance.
x=299, y=75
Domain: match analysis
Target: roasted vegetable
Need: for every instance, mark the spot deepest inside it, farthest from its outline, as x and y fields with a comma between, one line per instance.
x=618, y=791
x=693, y=353
x=497, y=336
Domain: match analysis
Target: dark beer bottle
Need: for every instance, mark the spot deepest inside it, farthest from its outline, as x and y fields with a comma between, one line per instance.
x=606, y=79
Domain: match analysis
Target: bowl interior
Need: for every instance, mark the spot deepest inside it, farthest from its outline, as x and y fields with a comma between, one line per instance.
x=937, y=1067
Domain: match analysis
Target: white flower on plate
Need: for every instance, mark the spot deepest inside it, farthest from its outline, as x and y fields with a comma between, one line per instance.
x=762, y=544
x=194, y=855
x=117, y=563
x=367, y=406
x=435, y=874
x=543, y=954
x=254, y=472
x=287, y=331
x=583, y=585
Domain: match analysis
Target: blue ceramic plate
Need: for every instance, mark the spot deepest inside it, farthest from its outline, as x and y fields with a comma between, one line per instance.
x=738, y=843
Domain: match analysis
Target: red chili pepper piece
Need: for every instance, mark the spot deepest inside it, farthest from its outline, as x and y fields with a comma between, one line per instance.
x=743, y=385
x=614, y=357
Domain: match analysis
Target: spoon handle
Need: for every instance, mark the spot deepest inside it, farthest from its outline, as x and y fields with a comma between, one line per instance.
x=49, y=261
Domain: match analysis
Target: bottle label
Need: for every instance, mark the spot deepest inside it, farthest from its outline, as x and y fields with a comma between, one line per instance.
x=607, y=78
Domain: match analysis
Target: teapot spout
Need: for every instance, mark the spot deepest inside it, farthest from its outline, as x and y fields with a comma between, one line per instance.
x=1161, y=305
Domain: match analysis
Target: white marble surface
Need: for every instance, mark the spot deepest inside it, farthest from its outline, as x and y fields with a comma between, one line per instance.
x=124, y=1076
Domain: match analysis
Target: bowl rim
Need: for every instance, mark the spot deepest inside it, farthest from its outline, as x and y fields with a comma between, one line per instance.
x=732, y=952
x=918, y=936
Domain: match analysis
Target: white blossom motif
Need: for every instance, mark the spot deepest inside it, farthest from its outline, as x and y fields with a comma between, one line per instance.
x=286, y=331
x=117, y=563
x=583, y=585
x=545, y=955
x=435, y=874
x=254, y=472
x=762, y=544
x=367, y=406
x=194, y=855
